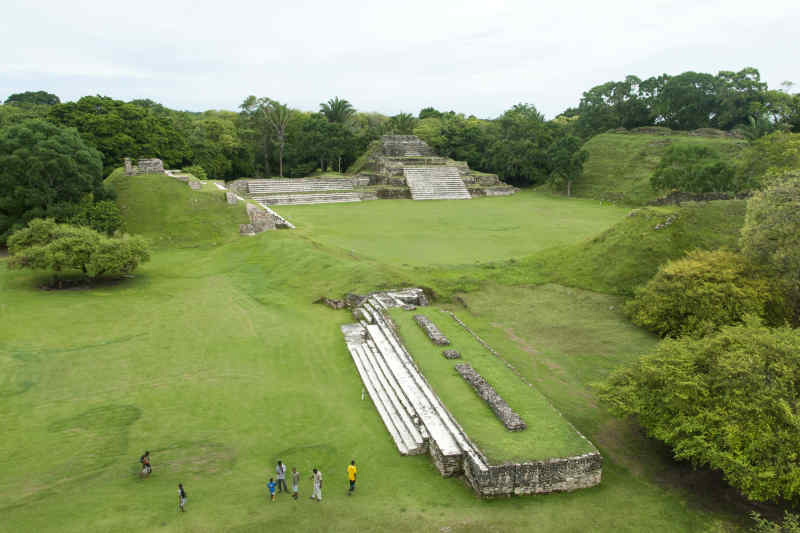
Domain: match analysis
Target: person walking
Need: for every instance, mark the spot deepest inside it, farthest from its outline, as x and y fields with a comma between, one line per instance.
x=145, y=461
x=352, y=471
x=181, y=498
x=271, y=487
x=280, y=470
x=317, y=478
x=295, y=482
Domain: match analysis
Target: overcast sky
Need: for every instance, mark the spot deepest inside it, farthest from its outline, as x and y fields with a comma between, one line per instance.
x=474, y=57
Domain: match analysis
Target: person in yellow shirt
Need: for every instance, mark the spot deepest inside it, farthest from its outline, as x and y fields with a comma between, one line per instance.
x=351, y=475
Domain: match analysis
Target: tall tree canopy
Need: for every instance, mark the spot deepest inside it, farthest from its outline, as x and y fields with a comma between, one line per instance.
x=337, y=110
x=728, y=401
x=44, y=167
x=33, y=98
x=118, y=130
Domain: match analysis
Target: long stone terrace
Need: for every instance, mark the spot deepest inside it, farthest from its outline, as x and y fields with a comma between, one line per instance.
x=419, y=422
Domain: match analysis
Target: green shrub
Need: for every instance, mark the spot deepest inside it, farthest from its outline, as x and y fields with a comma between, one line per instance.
x=695, y=169
x=45, y=245
x=197, y=171
x=728, y=401
x=103, y=216
x=700, y=293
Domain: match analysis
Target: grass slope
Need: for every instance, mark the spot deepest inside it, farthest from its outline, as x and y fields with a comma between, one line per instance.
x=408, y=232
x=547, y=435
x=620, y=165
x=616, y=260
x=171, y=214
x=214, y=359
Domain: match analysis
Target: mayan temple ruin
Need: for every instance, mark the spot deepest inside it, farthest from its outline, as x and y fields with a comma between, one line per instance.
x=397, y=166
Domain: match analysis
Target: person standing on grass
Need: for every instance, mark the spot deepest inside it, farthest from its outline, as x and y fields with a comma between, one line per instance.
x=280, y=470
x=317, y=478
x=295, y=482
x=351, y=476
x=146, y=468
x=271, y=487
x=181, y=498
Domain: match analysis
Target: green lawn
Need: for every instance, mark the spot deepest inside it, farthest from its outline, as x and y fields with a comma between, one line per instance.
x=214, y=358
x=547, y=435
x=408, y=232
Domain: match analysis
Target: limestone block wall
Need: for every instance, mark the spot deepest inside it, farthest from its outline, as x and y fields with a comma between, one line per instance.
x=536, y=477
x=511, y=420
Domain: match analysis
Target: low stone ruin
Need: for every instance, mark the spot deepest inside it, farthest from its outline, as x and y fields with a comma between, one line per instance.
x=451, y=354
x=511, y=420
x=144, y=166
x=260, y=220
x=231, y=198
x=431, y=330
x=195, y=185
x=419, y=422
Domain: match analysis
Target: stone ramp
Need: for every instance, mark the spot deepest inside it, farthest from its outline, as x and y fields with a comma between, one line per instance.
x=308, y=198
x=436, y=183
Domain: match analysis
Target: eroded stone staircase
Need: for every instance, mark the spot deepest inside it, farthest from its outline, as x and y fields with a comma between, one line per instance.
x=435, y=183
x=302, y=191
x=413, y=414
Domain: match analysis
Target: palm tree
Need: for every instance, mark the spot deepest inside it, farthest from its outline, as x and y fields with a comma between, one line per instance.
x=337, y=110
x=403, y=123
x=277, y=114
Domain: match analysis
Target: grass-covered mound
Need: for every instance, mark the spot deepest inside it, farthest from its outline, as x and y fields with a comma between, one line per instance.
x=169, y=213
x=615, y=261
x=547, y=435
x=619, y=166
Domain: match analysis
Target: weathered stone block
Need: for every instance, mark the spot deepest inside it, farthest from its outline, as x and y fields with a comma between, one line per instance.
x=231, y=198
x=195, y=185
x=431, y=330
x=451, y=354
x=511, y=420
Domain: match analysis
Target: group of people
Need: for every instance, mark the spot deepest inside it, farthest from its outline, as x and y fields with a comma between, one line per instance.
x=280, y=473
x=147, y=469
x=316, y=478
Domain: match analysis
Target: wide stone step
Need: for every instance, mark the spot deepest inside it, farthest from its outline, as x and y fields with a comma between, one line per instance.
x=298, y=185
x=392, y=396
x=300, y=199
x=427, y=412
x=453, y=429
x=377, y=400
x=435, y=183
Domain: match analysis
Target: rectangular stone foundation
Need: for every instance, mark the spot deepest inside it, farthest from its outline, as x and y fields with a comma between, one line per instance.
x=537, y=477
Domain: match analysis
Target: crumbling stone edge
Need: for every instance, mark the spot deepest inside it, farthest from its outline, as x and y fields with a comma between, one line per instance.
x=430, y=329
x=510, y=419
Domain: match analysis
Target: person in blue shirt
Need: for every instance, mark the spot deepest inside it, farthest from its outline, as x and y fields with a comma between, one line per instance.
x=271, y=487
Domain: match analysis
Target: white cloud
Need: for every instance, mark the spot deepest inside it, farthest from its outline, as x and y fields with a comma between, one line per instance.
x=474, y=57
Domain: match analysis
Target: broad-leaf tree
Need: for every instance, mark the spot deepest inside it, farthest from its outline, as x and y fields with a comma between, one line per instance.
x=771, y=235
x=64, y=248
x=728, y=401
x=44, y=166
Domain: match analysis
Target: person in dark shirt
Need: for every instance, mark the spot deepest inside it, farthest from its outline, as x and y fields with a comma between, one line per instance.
x=181, y=497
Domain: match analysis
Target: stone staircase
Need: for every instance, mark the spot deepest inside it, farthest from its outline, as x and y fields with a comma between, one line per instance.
x=311, y=198
x=412, y=413
x=436, y=183
x=303, y=191
x=284, y=186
